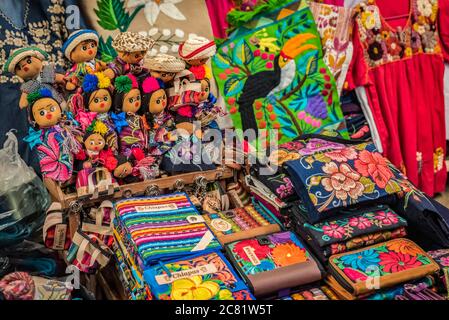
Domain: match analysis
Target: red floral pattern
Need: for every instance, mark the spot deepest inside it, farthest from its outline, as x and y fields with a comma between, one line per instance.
x=374, y=165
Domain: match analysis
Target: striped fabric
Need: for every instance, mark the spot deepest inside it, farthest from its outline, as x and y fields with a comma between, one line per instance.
x=163, y=227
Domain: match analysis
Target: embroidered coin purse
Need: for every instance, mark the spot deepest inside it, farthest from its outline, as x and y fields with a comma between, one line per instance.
x=200, y=277
x=241, y=223
x=163, y=227
x=274, y=262
x=380, y=266
x=330, y=179
x=350, y=231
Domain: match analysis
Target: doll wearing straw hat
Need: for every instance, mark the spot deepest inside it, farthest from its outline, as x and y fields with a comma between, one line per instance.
x=131, y=49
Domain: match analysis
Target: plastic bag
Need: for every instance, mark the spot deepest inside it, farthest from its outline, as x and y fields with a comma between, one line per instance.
x=22, y=192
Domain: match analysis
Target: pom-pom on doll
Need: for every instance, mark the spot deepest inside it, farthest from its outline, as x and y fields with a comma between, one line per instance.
x=28, y=64
x=128, y=123
x=81, y=49
x=97, y=100
x=158, y=122
x=96, y=152
x=165, y=67
x=196, y=52
x=54, y=144
x=131, y=49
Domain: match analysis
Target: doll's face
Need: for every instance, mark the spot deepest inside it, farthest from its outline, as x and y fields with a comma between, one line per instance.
x=132, y=57
x=95, y=142
x=46, y=112
x=158, y=101
x=205, y=90
x=132, y=101
x=28, y=68
x=197, y=62
x=85, y=51
x=100, y=101
x=164, y=76
x=123, y=170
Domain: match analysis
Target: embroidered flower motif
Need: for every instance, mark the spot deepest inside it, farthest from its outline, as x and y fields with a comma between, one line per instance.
x=375, y=51
x=334, y=231
x=342, y=155
x=429, y=40
x=285, y=190
x=288, y=254
x=394, y=46
x=317, y=107
x=444, y=261
x=154, y=7
x=194, y=288
x=342, y=180
x=387, y=218
x=53, y=162
x=360, y=223
x=438, y=159
x=403, y=247
x=394, y=262
x=369, y=19
x=408, y=52
x=260, y=251
x=374, y=165
x=425, y=7
x=361, y=260
x=292, y=146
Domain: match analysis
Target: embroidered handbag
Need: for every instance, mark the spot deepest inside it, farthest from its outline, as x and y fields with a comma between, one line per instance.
x=241, y=223
x=88, y=253
x=94, y=182
x=163, y=227
x=201, y=277
x=350, y=230
x=274, y=262
x=56, y=233
x=334, y=173
x=380, y=266
x=272, y=75
x=442, y=258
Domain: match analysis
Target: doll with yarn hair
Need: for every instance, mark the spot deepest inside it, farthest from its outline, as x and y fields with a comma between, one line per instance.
x=55, y=142
x=207, y=110
x=96, y=153
x=28, y=64
x=158, y=122
x=128, y=123
x=81, y=49
x=196, y=52
x=97, y=104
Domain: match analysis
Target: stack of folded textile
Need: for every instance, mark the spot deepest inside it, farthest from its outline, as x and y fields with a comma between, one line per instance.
x=164, y=239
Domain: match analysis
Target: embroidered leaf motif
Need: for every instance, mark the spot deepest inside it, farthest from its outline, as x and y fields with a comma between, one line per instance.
x=242, y=53
x=321, y=157
x=233, y=86
x=107, y=52
x=368, y=184
x=221, y=61
x=312, y=66
x=313, y=199
x=423, y=259
x=392, y=187
x=112, y=15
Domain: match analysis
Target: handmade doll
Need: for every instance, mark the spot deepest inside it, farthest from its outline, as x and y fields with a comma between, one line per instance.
x=54, y=143
x=27, y=64
x=131, y=49
x=81, y=49
x=136, y=167
x=196, y=52
x=97, y=103
x=158, y=122
x=96, y=153
x=128, y=123
x=207, y=111
x=165, y=67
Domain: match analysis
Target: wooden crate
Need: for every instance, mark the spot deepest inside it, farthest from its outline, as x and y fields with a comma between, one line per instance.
x=151, y=187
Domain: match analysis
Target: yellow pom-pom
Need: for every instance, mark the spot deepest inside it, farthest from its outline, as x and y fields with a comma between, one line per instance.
x=100, y=128
x=103, y=81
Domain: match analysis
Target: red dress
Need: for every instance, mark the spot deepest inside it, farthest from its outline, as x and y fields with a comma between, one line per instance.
x=402, y=69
